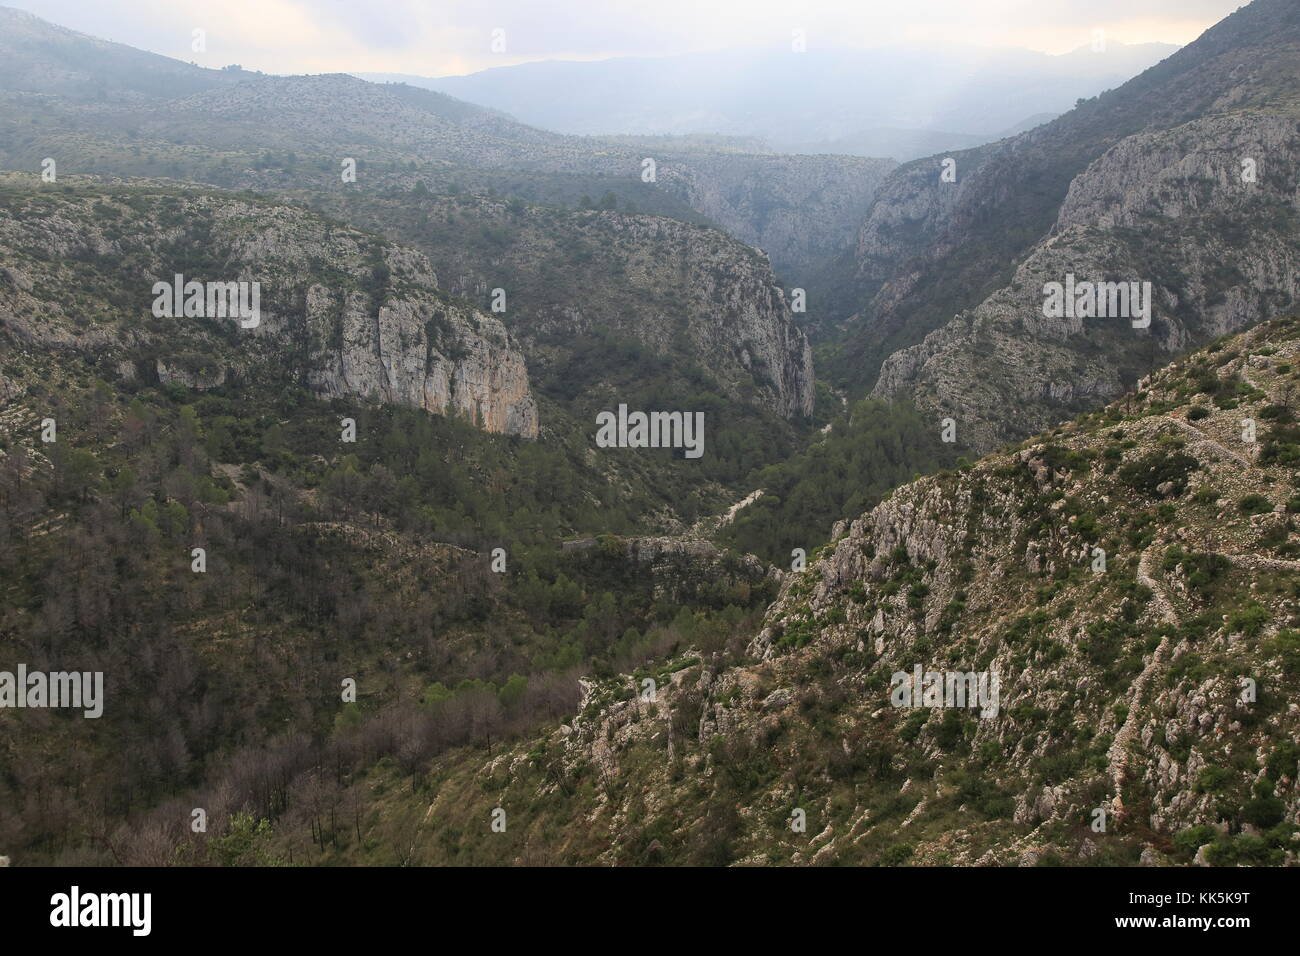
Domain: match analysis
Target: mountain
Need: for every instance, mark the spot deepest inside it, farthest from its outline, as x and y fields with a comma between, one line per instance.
x=818, y=101
x=315, y=470
x=1130, y=578
x=40, y=57
x=1146, y=183
x=240, y=129
x=339, y=312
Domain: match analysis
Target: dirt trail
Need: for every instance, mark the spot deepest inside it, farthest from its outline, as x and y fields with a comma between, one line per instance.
x=1254, y=561
x=1117, y=756
x=712, y=524
x=1205, y=440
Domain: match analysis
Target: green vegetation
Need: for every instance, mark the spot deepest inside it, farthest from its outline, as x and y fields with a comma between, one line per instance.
x=866, y=455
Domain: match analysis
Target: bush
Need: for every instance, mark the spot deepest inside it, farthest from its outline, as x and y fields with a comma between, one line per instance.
x=1249, y=620
x=1213, y=780
x=897, y=854
x=1254, y=504
x=1286, y=645
x=1151, y=471
x=1190, y=840
x=1263, y=812
x=1241, y=849
x=1283, y=760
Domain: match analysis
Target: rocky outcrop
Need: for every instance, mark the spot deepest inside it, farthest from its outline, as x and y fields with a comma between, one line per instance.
x=739, y=318
x=683, y=569
x=432, y=355
x=1169, y=208
x=1183, y=177
x=341, y=311
x=690, y=295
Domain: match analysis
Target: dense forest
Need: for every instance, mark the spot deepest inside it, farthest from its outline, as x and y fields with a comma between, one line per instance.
x=867, y=452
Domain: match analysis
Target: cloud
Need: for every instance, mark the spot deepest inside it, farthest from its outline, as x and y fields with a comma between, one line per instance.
x=439, y=37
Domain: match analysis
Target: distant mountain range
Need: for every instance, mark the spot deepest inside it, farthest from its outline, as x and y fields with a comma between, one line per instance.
x=896, y=103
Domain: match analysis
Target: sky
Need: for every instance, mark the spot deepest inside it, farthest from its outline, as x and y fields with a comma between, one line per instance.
x=452, y=37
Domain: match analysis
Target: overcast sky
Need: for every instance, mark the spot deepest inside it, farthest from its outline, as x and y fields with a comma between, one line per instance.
x=443, y=37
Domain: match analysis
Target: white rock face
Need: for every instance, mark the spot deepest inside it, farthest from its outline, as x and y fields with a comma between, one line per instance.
x=692, y=296
x=1167, y=207
x=341, y=311
x=444, y=359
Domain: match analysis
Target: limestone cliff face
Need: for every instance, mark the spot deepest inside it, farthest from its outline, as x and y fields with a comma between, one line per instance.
x=690, y=295
x=342, y=312
x=1149, y=182
x=801, y=210
x=444, y=359
x=740, y=319
x=909, y=212
x=1167, y=207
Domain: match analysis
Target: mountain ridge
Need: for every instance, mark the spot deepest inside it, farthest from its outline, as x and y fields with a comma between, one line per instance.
x=976, y=249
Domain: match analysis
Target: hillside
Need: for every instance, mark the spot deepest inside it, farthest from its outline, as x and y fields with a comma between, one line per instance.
x=246, y=130
x=341, y=312
x=1143, y=183
x=43, y=58
x=1121, y=689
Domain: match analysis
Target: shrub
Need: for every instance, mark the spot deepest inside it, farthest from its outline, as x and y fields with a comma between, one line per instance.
x=1249, y=620
x=1241, y=849
x=1254, y=504
x=1190, y=840
x=1283, y=760
x=1213, y=780
x=1263, y=812
x=1286, y=645
x=1151, y=471
x=897, y=854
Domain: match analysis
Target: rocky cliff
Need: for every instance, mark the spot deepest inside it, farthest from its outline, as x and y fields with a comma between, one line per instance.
x=1169, y=208
x=691, y=296
x=1149, y=182
x=341, y=311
